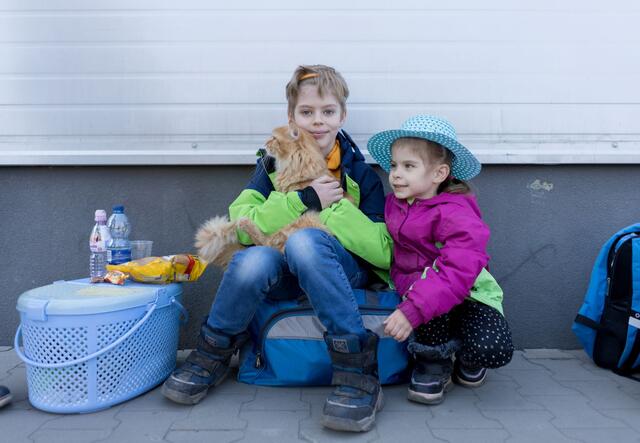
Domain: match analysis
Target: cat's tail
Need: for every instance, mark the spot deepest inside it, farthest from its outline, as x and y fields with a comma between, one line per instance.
x=217, y=241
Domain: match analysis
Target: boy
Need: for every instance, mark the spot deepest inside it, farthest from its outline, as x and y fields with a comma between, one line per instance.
x=325, y=267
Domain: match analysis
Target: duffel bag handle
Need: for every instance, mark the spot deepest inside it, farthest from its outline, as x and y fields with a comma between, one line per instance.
x=16, y=343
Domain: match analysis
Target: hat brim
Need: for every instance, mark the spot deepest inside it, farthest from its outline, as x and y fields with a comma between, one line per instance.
x=464, y=165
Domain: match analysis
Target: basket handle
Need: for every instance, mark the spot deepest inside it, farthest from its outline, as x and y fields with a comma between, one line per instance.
x=183, y=311
x=27, y=360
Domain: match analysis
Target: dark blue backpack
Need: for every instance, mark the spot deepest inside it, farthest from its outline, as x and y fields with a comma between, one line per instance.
x=609, y=320
x=288, y=348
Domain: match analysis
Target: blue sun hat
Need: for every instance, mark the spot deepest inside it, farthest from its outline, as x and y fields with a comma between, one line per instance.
x=464, y=165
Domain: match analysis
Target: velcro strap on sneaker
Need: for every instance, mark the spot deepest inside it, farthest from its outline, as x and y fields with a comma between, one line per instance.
x=435, y=367
x=216, y=353
x=365, y=383
x=353, y=359
x=206, y=362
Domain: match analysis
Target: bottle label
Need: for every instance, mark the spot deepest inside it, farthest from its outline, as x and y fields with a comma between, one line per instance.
x=118, y=256
x=97, y=246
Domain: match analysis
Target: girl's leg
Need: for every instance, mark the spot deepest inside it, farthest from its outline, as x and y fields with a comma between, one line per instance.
x=485, y=334
x=486, y=342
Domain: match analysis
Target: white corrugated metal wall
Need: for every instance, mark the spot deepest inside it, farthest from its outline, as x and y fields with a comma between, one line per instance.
x=202, y=82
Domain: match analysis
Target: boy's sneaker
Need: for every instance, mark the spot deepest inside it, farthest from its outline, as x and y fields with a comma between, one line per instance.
x=205, y=367
x=469, y=376
x=5, y=396
x=430, y=380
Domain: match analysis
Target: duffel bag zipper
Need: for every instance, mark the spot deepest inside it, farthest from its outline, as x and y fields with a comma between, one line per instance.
x=259, y=361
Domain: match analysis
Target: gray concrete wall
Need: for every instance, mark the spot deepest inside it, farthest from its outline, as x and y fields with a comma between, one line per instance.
x=548, y=223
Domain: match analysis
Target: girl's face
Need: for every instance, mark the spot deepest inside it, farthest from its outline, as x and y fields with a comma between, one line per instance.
x=321, y=116
x=411, y=177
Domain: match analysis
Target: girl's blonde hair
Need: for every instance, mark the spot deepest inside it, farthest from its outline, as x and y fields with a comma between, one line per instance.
x=327, y=79
x=432, y=152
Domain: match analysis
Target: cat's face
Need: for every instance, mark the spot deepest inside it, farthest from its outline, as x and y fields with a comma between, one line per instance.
x=286, y=140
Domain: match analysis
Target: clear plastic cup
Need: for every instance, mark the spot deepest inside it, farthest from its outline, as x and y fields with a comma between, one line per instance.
x=141, y=249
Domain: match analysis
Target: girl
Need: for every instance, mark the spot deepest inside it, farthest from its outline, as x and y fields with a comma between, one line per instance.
x=450, y=301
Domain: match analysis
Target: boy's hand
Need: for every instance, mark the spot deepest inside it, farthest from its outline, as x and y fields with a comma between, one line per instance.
x=328, y=190
x=397, y=326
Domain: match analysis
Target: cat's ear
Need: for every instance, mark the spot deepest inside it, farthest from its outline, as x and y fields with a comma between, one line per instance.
x=294, y=131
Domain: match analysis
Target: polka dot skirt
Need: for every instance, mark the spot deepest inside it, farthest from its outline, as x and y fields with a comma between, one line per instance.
x=484, y=332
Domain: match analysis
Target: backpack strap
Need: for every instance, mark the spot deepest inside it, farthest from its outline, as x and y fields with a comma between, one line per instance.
x=583, y=320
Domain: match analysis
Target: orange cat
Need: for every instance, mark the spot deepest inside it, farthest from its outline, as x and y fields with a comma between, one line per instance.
x=298, y=162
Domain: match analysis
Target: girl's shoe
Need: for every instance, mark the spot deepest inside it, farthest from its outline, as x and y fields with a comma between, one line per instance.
x=468, y=376
x=5, y=396
x=430, y=380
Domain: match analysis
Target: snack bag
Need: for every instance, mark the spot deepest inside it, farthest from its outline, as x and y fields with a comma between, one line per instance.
x=178, y=268
x=115, y=278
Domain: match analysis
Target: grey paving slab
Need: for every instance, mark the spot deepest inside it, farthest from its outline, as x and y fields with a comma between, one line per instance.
x=604, y=394
x=276, y=399
x=603, y=435
x=101, y=420
x=460, y=413
x=542, y=395
x=412, y=426
x=528, y=426
x=215, y=412
x=503, y=395
x=203, y=436
x=537, y=382
x=630, y=416
x=16, y=380
x=547, y=354
x=273, y=426
x=19, y=424
x=570, y=370
x=575, y=412
x=471, y=435
x=70, y=435
x=143, y=426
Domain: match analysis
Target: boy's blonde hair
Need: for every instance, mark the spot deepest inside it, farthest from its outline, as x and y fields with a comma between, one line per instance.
x=432, y=152
x=327, y=79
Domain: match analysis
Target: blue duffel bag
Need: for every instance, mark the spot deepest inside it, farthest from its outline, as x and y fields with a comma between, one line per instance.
x=288, y=348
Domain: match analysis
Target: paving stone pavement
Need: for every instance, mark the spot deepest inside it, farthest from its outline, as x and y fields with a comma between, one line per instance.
x=544, y=395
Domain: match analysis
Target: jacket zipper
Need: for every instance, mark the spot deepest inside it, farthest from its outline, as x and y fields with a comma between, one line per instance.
x=262, y=336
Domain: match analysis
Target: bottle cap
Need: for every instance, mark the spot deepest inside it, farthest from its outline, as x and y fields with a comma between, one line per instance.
x=101, y=215
x=118, y=208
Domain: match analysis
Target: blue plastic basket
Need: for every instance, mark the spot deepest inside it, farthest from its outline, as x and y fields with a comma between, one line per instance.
x=88, y=347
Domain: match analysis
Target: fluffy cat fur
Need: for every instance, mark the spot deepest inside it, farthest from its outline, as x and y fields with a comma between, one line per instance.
x=298, y=162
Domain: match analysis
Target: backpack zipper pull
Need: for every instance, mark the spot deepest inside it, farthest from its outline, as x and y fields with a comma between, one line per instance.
x=258, y=363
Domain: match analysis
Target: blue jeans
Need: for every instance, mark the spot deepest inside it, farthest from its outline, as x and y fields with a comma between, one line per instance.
x=313, y=262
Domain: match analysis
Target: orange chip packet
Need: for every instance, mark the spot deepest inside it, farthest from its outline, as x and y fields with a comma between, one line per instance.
x=115, y=277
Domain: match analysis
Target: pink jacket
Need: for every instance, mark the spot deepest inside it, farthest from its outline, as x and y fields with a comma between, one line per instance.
x=454, y=222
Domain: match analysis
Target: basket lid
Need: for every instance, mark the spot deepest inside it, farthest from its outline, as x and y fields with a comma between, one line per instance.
x=80, y=297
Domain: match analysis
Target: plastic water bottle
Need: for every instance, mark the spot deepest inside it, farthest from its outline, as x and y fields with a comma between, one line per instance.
x=119, y=248
x=98, y=240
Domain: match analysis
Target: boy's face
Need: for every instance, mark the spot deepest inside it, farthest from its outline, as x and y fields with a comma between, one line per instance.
x=411, y=177
x=321, y=116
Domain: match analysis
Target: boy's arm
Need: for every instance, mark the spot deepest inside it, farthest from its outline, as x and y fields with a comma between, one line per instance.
x=448, y=281
x=358, y=234
x=268, y=209
x=362, y=230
